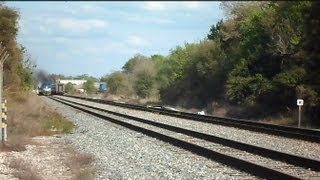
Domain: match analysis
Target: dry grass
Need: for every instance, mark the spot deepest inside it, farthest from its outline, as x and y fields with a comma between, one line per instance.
x=23, y=170
x=280, y=120
x=29, y=116
x=16, y=143
x=80, y=165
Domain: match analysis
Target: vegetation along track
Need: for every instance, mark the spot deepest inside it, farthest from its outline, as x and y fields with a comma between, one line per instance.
x=286, y=131
x=255, y=160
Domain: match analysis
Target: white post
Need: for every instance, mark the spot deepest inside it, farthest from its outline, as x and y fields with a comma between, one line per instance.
x=299, y=124
x=299, y=103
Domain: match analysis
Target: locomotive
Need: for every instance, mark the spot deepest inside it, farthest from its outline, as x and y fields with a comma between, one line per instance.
x=47, y=88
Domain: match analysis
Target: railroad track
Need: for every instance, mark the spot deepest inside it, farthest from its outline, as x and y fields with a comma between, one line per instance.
x=261, y=162
x=285, y=131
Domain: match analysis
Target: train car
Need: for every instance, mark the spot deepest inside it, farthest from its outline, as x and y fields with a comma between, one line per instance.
x=58, y=89
x=102, y=87
x=45, y=89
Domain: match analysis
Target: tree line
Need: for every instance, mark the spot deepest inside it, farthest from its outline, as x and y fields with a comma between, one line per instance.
x=262, y=56
x=19, y=67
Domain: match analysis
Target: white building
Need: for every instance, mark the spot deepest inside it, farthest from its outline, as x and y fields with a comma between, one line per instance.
x=74, y=82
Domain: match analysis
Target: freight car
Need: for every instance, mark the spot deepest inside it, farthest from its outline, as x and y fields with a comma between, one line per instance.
x=58, y=89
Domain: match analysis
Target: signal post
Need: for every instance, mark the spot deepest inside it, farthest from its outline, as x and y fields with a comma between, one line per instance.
x=3, y=130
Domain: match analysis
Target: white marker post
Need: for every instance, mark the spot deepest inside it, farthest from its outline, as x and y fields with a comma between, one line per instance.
x=299, y=103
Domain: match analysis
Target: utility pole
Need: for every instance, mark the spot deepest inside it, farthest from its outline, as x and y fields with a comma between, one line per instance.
x=3, y=57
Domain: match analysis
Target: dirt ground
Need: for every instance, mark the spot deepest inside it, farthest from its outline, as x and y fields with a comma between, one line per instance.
x=45, y=157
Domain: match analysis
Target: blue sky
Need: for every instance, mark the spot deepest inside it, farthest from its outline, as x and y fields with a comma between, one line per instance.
x=97, y=38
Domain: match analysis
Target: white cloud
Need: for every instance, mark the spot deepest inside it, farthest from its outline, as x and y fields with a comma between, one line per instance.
x=90, y=8
x=161, y=6
x=76, y=25
x=48, y=25
x=191, y=4
x=155, y=5
x=148, y=19
x=101, y=48
x=84, y=8
x=136, y=40
x=151, y=20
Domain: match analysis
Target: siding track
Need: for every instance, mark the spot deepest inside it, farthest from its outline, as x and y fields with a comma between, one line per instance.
x=261, y=162
x=285, y=131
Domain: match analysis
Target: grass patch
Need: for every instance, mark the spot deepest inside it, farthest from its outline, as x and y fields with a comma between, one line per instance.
x=29, y=116
x=23, y=170
x=80, y=165
x=56, y=123
x=32, y=117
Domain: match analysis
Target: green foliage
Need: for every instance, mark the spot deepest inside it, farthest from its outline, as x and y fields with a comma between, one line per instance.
x=179, y=59
x=8, y=31
x=86, y=77
x=104, y=78
x=26, y=69
x=131, y=63
x=8, y=21
x=69, y=88
x=263, y=53
x=290, y=78
x=161, y=66
x=163, y=77
x=143, y=84
x=246, y=90
x=57, y=122
x=26, y=79
x=89, y=86
x=214, y=30
x=118, y=83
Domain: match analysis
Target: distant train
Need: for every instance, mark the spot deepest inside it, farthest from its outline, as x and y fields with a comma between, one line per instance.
x=45, y=88
x=48, y=88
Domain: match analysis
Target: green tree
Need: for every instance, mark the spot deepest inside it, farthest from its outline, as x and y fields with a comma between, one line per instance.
x=310, y=90
x=118, y=83
x=13, y=67
x=88, y=86
x=162, y=76
x=132, y=62
x=143, y=84
x=215, y=30
x=86, y=77
x=69, y=88
x=26, y=69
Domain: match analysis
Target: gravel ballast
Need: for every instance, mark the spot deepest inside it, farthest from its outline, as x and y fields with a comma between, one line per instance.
x=256, y=159
x=121, y=153
x=287, y=145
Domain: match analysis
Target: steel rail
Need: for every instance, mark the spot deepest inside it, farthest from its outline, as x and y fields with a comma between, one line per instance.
x=272, y=154
x=278, y=130
x=251, y=168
